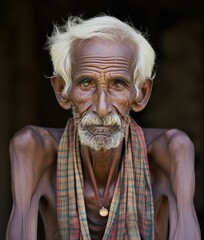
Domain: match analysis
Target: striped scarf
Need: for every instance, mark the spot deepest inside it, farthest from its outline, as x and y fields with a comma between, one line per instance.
x=131, y=214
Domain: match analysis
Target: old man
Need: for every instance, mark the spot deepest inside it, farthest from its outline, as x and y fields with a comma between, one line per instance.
x=103, y=176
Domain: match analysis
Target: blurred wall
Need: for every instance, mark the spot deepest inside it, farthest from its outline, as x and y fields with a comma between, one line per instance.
x=175, y=29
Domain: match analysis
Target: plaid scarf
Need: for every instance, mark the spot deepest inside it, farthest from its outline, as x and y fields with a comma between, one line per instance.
x=131, y=214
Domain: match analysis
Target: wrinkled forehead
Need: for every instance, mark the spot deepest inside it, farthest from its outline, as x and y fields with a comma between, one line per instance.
x=103, y=49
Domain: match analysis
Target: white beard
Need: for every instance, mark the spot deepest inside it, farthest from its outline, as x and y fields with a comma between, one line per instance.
x=99, y=139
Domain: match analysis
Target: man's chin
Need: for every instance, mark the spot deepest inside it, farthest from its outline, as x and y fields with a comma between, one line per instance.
x=100, y=141
x=105, y=136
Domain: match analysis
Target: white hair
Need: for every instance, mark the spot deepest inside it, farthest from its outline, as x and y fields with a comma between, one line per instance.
x=103, y=27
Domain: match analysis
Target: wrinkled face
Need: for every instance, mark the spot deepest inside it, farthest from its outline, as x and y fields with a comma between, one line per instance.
x=102, y=91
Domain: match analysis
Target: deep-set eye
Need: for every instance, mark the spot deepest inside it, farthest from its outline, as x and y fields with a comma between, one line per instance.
x=86, y=83
x=119, y=85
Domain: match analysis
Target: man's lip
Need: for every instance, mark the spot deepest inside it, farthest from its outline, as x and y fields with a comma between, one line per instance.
x=101, y=129
x=102, y=126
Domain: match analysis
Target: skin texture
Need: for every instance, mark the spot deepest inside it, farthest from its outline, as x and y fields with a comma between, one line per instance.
x=102, y=84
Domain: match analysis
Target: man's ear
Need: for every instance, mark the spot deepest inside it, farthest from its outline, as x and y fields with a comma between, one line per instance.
x=58, y=85
x=143, y=95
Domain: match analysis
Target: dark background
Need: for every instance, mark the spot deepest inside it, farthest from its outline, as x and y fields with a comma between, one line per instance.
x=176, y=32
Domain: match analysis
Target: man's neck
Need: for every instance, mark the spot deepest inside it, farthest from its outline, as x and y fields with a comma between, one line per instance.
x=101, y=168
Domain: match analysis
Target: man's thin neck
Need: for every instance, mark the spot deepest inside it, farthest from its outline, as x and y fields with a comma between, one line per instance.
x=101, y=167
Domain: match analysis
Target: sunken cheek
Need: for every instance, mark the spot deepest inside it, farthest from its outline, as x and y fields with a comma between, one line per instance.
x=82, y=100
x=86, y=100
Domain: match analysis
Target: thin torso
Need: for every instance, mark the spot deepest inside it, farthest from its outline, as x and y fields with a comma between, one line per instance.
x=158, y=178
x=33, y=154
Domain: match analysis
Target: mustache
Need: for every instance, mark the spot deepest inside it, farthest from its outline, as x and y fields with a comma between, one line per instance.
x=90, y=119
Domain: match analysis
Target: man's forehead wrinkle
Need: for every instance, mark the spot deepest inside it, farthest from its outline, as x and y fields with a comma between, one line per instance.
x=99, y=57
x=104, y=70
x=102, y=57
x=101, y=63
x=116, y=63
x=105, y=59
x=114, y=66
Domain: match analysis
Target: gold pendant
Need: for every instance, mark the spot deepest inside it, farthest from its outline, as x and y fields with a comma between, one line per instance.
x=103, y=212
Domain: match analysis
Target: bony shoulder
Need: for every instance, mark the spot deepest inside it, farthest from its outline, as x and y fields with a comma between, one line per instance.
x=168, y=151
x=33, y=139
x=169, y=145
x=175, y=140
x=170, y=138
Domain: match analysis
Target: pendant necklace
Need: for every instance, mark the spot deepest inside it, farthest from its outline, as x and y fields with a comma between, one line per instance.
x=103, y=212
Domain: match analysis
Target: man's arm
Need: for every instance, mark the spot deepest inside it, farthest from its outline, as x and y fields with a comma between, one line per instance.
x=183, y=219
x=174, y=153
x=26, y=172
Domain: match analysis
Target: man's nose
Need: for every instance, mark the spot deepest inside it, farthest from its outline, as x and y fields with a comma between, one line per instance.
x=103, y=106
